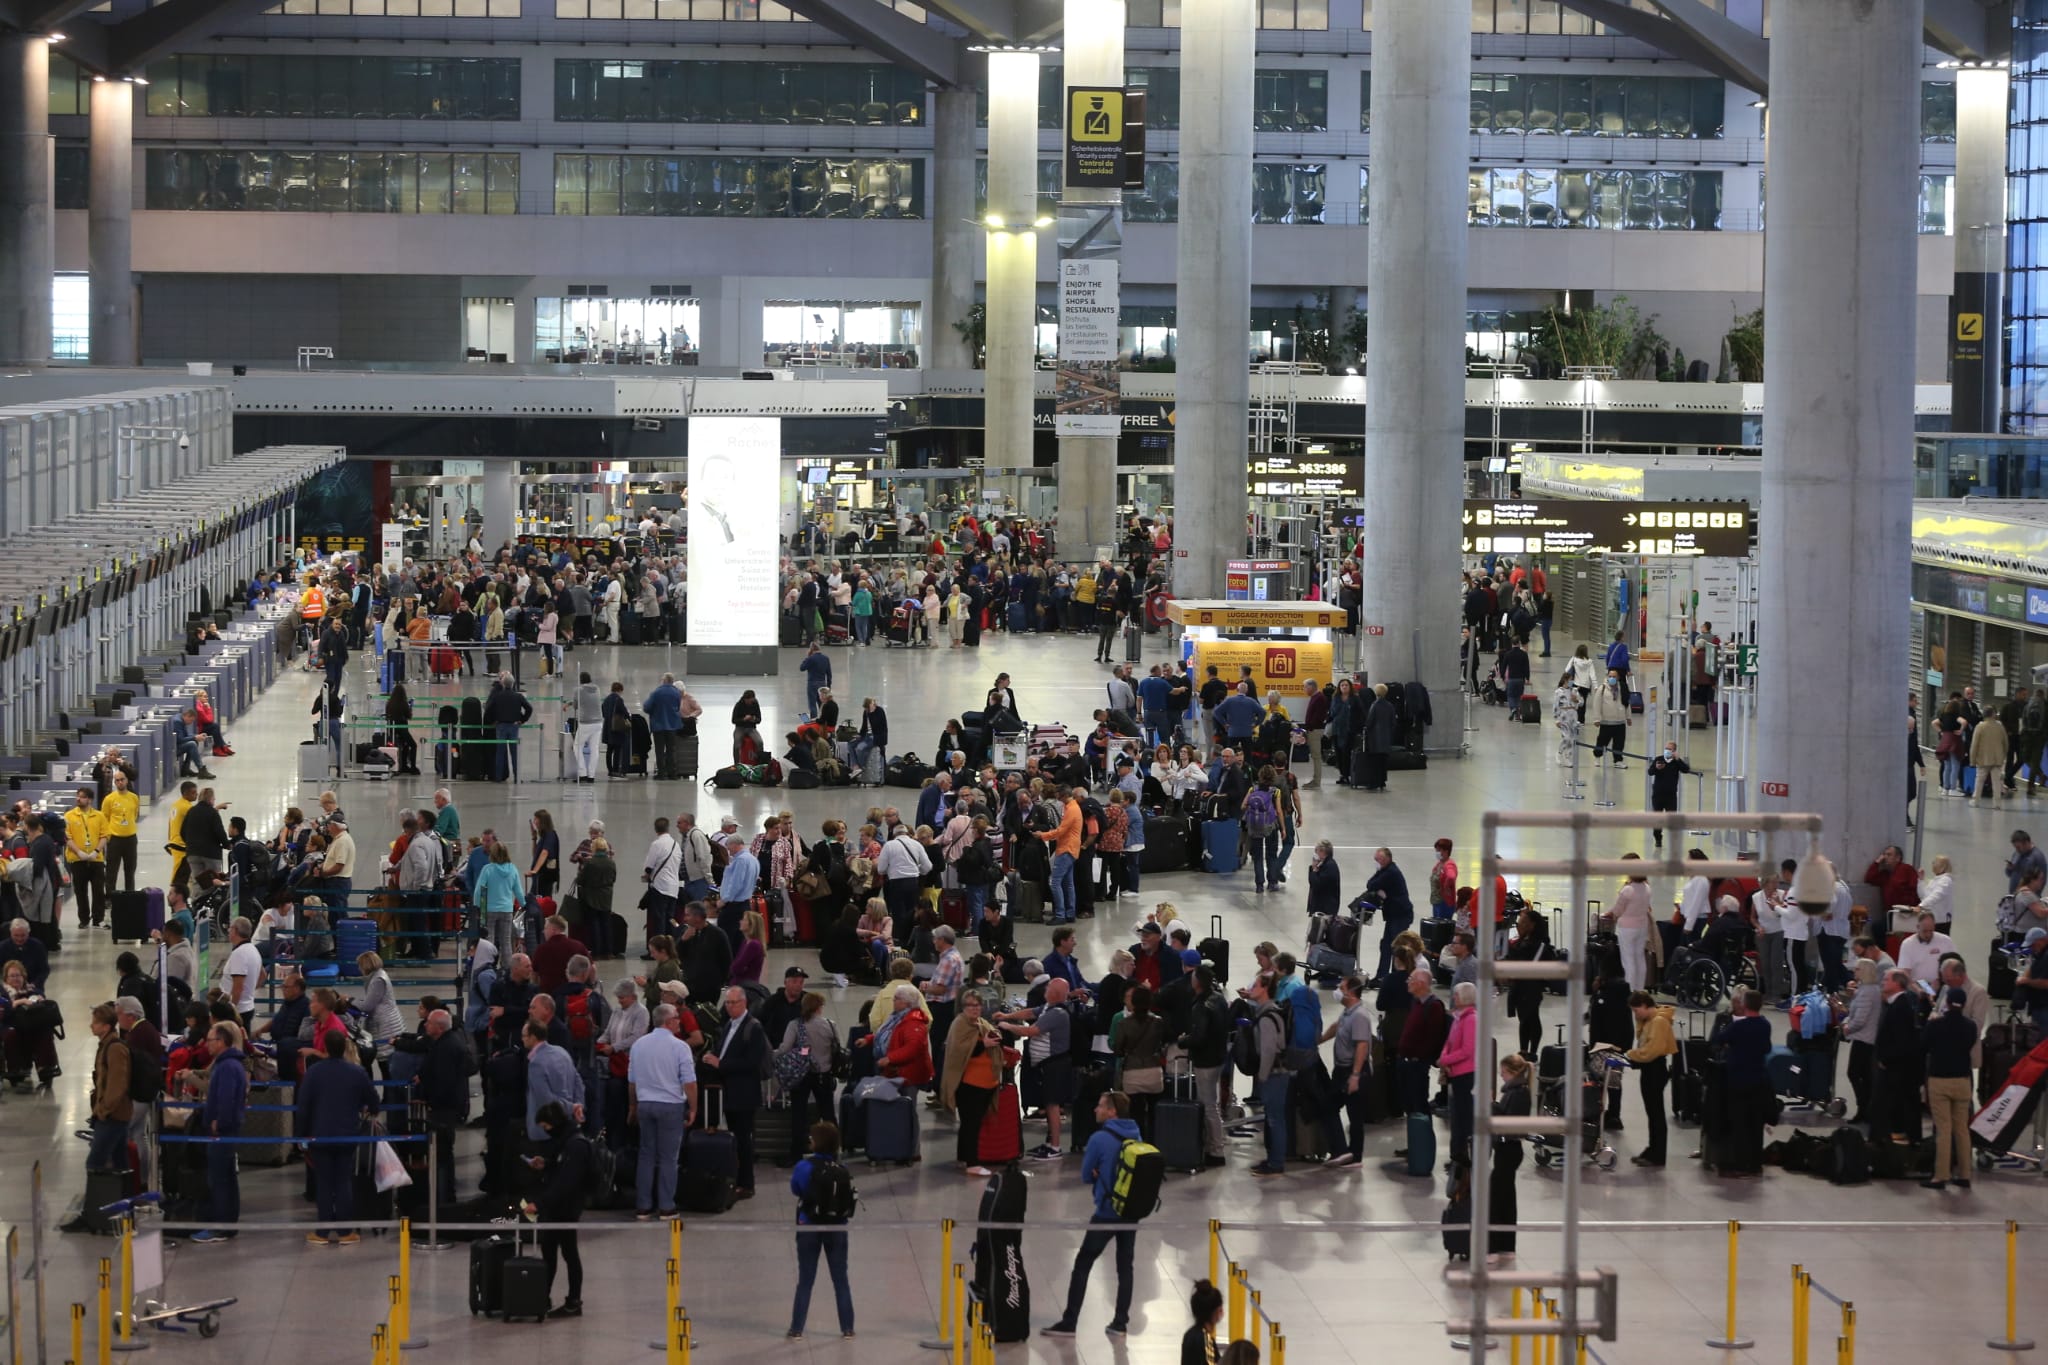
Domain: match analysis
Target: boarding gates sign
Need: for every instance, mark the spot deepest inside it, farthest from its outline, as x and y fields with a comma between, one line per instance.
x=1558, y=526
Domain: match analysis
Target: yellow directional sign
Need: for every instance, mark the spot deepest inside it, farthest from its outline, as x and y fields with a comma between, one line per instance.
x=1969, y=327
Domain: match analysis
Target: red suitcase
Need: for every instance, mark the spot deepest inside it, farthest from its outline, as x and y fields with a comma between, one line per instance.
x=1002, y=1129
x=953, y=909
x=444, y=662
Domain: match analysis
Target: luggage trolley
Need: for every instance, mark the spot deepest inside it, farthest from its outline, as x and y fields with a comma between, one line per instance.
x=148, y=1257
x=1604, y=1068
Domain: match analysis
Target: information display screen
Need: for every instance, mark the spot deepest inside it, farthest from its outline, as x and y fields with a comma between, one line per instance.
x=1561, y=526
x=735, y=496
x=1279, y=475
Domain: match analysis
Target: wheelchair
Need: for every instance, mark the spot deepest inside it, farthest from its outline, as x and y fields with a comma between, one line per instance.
x=1700, y=978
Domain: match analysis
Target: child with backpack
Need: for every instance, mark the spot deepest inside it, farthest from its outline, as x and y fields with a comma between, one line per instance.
x=825, y=1198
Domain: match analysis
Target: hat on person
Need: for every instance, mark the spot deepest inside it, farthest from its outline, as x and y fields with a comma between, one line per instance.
x=1957, y=997
x=1150, y=927
x=337, y=820
x=2035, y=936
x=796, y=973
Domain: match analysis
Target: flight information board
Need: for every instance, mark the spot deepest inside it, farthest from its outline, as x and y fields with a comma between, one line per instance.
x=1561, y=526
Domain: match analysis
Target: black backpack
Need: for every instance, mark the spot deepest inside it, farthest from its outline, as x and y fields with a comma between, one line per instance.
x=145, y=1077
x=830, y=1197
x=1850, y=1164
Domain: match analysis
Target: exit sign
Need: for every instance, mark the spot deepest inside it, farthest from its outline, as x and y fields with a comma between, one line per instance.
x=1745, y=660
x=1777, y=788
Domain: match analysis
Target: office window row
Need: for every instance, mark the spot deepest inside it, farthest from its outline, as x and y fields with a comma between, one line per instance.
x=1527, y=16
x=600, y=90
x=1279, y=14
x=1937, y=111
x=664, y=186
x=277, y=85
x=1533, y=197
x=405, y=9
x=1936, y=203
x=1282, y=193
x=723, y=11
x=332, y=182
x=1161, y=85
x=70, y=85
x=1283, y=99
x=74, y=177
x=1599, y=106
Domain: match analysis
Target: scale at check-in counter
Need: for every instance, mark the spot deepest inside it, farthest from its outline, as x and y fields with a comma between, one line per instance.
x=1283, y=643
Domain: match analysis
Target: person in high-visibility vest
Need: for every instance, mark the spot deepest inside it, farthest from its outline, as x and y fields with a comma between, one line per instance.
x=312, y=606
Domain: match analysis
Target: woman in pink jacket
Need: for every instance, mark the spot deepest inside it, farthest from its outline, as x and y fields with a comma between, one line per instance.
x=1458, y=1060
x=1633, y=927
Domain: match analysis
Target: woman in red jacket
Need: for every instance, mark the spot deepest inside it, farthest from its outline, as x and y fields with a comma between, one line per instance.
x=908, y=1056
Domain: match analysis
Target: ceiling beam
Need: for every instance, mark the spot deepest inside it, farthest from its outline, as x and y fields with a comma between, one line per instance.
x=163, y=29
x=1971, y=30
x=1040, y=20
x=994, y=20
x=906, y=42
x=1683, y=30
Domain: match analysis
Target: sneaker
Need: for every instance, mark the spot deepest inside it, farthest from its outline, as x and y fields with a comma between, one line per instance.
x=211, y=1235
x=570, y=1308
x=317, y=1239
x=1263, y=1169
x=839, y=980
x=1341, y=1159
x=1117, y=1329
x=794, y=1336
x=643, y=1215
x=1045, y=1151
x=979, y=1171
x=1934, y=1184
x=1057, y=1329
x=348, y=1239
x=668, y=1215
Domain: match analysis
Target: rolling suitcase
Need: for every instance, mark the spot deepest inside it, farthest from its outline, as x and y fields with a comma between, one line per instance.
x=1166, y=845
x=892, y=1130
x=523, y=1293
x=1340, y=935
x=1220, y=841
x=1177, y=1123
x=853, y=1127
x=712, y=1154
x=1529, y=710
x=643, y=744
x=1421, y=1144
x=314, y=763
x=1002, y=1129
x=1215, y=950
x=477, y=761
x=686, y=755
x=1026, y=899
x=629, y=626
x=1325, y=961
x=487, y=1261
x=128, y=912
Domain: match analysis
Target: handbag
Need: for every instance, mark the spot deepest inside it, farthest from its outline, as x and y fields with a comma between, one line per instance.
x=792, y=1067
x=1144, y=1080
x=39, y=1016
x=389, y=1170
x=811, y=885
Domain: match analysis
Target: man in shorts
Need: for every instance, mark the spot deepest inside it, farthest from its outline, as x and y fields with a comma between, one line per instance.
x=1048, y=1047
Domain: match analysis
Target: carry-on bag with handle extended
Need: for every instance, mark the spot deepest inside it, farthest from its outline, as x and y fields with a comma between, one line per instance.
x=487, y=1260
x=1177, y=1121
x=524, y=1297
x=1215, y=950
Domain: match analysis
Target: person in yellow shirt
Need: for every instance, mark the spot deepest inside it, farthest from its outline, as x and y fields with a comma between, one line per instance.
x=181, y=872
x=122, y=810
x=85, y=835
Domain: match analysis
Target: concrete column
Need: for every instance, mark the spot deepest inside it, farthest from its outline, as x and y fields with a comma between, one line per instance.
x=1213, y=294
x=110, y=220
x=1343, y=302
x=525, y=317
x=27, y=251
x=1415, y=373
x=1977, y=302
x=1093, y=55
x=1838, y=418
x=954, y=234
x=499, y=503
x=1012, y=262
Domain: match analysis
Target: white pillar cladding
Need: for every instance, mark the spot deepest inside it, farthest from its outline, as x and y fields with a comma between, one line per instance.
x=953, y=230
x=1838, y=420
x=1415, y=373
x=1012, y=314
x=110, y=220
x=27, y=249
x=1977, y=368
x=1093, y=54
x=1213, y=294
x=499, y=505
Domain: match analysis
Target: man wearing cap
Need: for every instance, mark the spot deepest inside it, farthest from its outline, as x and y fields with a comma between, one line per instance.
x=338, y=868
x=786, y=1006
x=1157, y=966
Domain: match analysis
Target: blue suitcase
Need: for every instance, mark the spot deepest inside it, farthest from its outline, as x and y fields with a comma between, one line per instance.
x=712, y=1154
x=891, y=1130
x=1421, y=1144
x=1220, y=840
x=352, y=938
x=853, y=1126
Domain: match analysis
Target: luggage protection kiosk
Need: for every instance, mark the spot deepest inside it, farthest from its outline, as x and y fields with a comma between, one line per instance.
x=1283, y=643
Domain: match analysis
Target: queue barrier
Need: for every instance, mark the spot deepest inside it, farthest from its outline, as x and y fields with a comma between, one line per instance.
x=1245, y=1315
x=1804, y=1287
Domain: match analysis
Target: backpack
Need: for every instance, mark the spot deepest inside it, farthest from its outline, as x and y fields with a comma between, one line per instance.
x=576, y=1012
x=261, y=870
x=830, y=1196
x=1044, y=817
x=180, y=996
x=1813, y=1015
x=1140, y=1175
x=145, y=1077
x=1261, y=813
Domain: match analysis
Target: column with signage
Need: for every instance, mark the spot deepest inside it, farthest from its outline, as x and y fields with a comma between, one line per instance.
x=1009, y=380
x=735, y=495
x=1978, y=299
x=1213, y=292
x=1085, y=410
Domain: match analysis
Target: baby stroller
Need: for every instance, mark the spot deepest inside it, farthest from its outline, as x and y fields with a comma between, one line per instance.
x=1604, y=1068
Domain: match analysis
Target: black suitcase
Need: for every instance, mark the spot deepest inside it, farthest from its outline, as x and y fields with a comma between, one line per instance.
x=129, y=913
x=487, y=1261
x=1215, y=950
x=892, y=1133
x=478, y=759
x=1340, y=935
x=1435, y=934
x=2001, y=980
x=853, y=1125
x=712, y=1154
x=1530, y=709
x=686, y=755
x=629, y=626
x=1000, y=1283
x=1166, y=845
x=1088, y=1088
x=702, y=1192
x=1177, y=1124
x=643, y=744
x=524, y=1295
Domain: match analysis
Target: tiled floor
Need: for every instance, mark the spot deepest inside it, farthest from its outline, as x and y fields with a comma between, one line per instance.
x=1926, y=1277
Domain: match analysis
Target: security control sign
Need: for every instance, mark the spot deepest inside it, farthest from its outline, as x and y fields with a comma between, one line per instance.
x=1679, y=530
x=1095, y=137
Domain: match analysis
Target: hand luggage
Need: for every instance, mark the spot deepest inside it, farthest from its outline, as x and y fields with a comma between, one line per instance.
x=853, y=1128
x=272, y=1124
x=953, y=909
x=1457, y=1232
x=711, y=1154
x=892, y=1130
x=771, y=1133
x=1089, y=1084
x=1891, y=1160
x=643, y=744
x=1325, y=961
x=1026, y=899
x=1340, y=935
x=1220, y=840
x=2004, y=1045
x=1305, y=1137
x=487, y=1260
x=444, y=663
x=1435, y=934
x=1000, y=1283
x=1421, y=1144
x=1002, y=1129
x=314, y=760
x=702, y=1192
x=629, y=626
x=129, y=913
x=1688, y=1088
x=1166, y=844
x=523, y=1291
x=1529, y=710
x=687, y=750
x=1215, y=950
x=153, y=908
x=1848, y=1157
x=1177, y=1122
x=2001, y=980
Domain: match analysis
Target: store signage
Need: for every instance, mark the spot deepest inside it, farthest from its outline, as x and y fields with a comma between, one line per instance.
x=1256, y=580
x=2037, y=606
x=1745, y=660
x=735, y=495
x=1095, y=137
x=1273, y=664
x=1278, y=475
x=1651, y=529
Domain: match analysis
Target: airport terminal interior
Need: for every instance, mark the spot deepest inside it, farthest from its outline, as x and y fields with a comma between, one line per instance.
x=987, y=360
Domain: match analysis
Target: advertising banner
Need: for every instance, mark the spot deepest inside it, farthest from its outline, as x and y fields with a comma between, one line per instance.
x=735, y=491
x=1087, y=386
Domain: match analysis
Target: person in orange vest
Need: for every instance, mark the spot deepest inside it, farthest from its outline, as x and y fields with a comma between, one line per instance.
x=312, y=607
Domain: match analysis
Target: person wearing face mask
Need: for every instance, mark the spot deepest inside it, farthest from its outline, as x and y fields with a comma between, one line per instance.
x=1608, y=710
x=1665, y=770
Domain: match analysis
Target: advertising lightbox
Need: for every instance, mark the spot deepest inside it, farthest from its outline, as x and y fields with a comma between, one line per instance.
x=735, y=492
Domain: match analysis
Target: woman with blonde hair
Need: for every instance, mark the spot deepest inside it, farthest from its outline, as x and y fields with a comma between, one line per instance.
x=380, y=1006
x=753, y=953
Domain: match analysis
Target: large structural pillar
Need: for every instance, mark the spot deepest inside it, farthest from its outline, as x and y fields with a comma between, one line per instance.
x=110, y=219
x=1977, y=301
x=1091, y=230
x=499, y=505
x=953, y=230
x=1213, y=292
x=1012, y=311
x=27, y=252
x=1838, y=419
x=1415, y=364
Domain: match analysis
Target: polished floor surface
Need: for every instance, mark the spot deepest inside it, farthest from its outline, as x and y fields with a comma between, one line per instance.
x=1348, y=1262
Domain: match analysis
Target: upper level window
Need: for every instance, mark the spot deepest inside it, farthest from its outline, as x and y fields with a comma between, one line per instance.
x=70, y=86
x=295, y=181
x=722, y=11
x=278, y=85
x=1937, y=111
x=1544, y=197
x=405, y=9
x=1286, y=100
x=601, y=90
x=1152, y=13
x=667, y=185
x=1599, y=106
x=1294, y=14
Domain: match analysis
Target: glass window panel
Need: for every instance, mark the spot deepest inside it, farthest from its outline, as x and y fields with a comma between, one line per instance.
x=1510, y=104
x=1938, y=109
x=1640, y=210
x=604, y=186
x=1541, y=95
x=1479, y=198
x=1482, y=16
x=262, y=88
x=331, y=181
x=294, y=176
x=1482, y=104
x=1610, y=106
x=1541, y=189
x=366, y=87
x=73, y=181
x=1709, y=108
x=570, y=182
x=1313, y=14
x=1641, y=92
x=1575, y=199
x=331, y=86
x=1511, y=16
x=1543, y=16
x=436, y=189
x=502, y=170
x=1706, y=201
x=1276, y=14
x=260, y=189
x=470, y=182
x=572, y=90
x=1674, y=106
x=735, y=100
x=301, y=81
x=366, y=185
x=1575, y=104
x=161, y=98
x=1365, y=101
x=226, y=86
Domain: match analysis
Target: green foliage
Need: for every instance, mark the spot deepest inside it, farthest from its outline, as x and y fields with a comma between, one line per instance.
x=1742, y=350
x=1614, y=334
x=973, y=330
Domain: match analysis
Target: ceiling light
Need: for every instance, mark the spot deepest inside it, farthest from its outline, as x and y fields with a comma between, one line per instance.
x=1014, y=47
x=53, y=37
x=1042, y=221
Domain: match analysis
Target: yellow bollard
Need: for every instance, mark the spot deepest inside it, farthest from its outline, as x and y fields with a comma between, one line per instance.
x=1799, y=1310
x=673, y=1278
x=401, y=1331
x=2012, y=1342
x=1234, y=1317
x=957, y=1274
x=1728, y=1341
x=1279, y=1346
x=106, y=1311
x=1580, y=1353
x=1848, y=1334
x=682, y=1335
x=945, y=1281
x=1258, y=1318
x=127, y=1277
x=1215, y=1249
x=377, y=1345
x=1515, y=1311
x=77, y=1334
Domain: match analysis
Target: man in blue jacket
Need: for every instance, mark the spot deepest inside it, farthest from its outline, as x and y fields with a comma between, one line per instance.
x=1237, y=716
x=332, y=1100
x=227, y=1102
x=1098, y=1167
x=817, y=669
x=664, y=709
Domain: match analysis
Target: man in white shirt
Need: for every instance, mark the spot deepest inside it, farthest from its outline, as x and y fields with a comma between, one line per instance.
x=901, y=866
x=244, y=969
x=1768, y=909
x=1920, y=955
x=1696, y=901
x=661, y=1097
x=1799, y=932
x=662, y=872
x=1832, y=939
